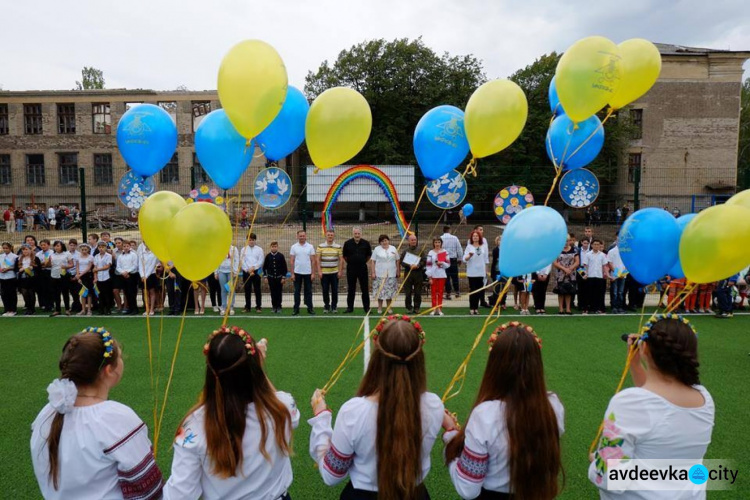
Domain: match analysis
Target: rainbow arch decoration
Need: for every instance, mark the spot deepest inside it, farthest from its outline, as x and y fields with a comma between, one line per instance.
x=363, y=172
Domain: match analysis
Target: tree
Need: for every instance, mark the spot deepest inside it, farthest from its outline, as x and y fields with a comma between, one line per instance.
x=92, y=78
x=401, y=80
x=743, y=155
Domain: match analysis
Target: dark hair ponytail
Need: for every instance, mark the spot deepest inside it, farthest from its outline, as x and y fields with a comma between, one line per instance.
x=81, y=361
x=674, y=349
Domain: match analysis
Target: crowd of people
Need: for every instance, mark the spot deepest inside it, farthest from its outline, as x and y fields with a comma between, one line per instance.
x=105, y=275
x=33, y=218
x=236, y=442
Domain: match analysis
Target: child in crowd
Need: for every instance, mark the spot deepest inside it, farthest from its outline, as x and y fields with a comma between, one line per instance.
x=667, y=415
x=85, y=278
x=27, y=269
x=383, y=437
x=724, y=299
x=595, y=263
x=275, y=271
x=236, y=442
x=437, y=263
x=8, y=280
x=511, y=441
x=102, y=282
x=540, y=282
x=84, y=446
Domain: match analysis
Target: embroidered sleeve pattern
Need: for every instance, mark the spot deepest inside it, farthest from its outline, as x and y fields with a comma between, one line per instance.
x=610, y=447
x=336, y=463
x=473, y=466
x=142, y=482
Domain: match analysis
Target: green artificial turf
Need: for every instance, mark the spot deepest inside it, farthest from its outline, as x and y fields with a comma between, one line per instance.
x=583, y=360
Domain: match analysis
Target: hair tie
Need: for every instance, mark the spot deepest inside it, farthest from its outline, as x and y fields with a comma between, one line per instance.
x=62, y=394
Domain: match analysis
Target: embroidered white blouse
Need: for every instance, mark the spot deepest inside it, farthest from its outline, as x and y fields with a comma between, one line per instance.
x=349, y=448
x=641, y=424
x=104, y=453
x=259, y=479
x=484, y=461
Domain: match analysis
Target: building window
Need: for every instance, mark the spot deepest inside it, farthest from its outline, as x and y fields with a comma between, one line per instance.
x=171, y=108
x=66, y=118
x=129, y=105
x=5, y=173
x=636, y=118
x=102, y=118
x=634, y=166
x=32, y=119
x=103, y=169
x=35, y=170
x=68, y=168
x=200, y=176
x=200, y=109
x=3, y=119
x=170, y=174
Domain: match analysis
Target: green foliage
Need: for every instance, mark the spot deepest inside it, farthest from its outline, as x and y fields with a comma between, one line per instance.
x=91, y=78
x=743, y=156
x=401, y=80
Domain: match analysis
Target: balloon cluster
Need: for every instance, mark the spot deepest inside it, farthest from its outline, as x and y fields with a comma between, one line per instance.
x=592, y=74
x=704, y=248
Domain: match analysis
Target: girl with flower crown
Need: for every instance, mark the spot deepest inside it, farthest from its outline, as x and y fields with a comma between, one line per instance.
x=236, y=442
x=510, y=447
x=83, y=445
x=383, y=437
x=667, y=415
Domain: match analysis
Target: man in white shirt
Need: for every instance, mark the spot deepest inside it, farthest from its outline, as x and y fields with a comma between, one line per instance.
x=595, y=263
x=452, y=245
x=127, y=269
x=616, y=273
x=252, y=264
x=303, y=262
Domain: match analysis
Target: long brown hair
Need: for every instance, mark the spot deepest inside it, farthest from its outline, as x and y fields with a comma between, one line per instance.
x=396, y=374
x=234, y=379
x=81, y=362
x=515, y=375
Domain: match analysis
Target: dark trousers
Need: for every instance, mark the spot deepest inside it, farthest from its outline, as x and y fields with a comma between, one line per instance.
x=106, y=297
x=351, y=493
x=28, y=291
x=475, y=283
x=73, y=288
x=597, y=289
x=252, y=285
x=724, y=298
x=330, y=284
x=496, y=291
x=352, y=277
x=9, y=294
x=174, y=294
x=214, y=290
x=306, y=280
x=44, y=289
x=635, y=293
x=539, y=292
x=131, y=292
x=276, y=290
x=59, y=288
x=413, y=289
x=494, y=495
x=451, y=284
x=583, y=294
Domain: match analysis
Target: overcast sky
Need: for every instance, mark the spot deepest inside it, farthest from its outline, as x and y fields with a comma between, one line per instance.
x=161, y=44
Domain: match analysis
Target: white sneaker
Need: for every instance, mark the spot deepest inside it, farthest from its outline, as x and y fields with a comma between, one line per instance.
x=231, y=312
x=440, y=313
x=216, y=309
x=12, y=313
x=221, y=311
x=433, y=313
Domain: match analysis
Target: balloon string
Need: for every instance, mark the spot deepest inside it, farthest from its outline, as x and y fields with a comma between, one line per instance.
x=460, y=376
x=157, y=431
x=291, y=210
x=148, y=335
x=601, y=125
x=233, y=289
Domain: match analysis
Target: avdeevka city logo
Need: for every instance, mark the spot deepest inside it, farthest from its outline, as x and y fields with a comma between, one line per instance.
x=137, y=126
x=698, y=474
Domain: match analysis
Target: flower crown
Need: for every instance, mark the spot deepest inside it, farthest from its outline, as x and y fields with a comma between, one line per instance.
x=658, y=317
x=109, y=346
x=505, y=326
x=232, y=330
x=381, y=324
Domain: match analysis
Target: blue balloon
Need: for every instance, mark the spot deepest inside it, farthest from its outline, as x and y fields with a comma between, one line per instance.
x=440, y=143
x=649, y=243
x=468, y=209
x=222, y=151
x=287, y=131
x=676, y=271
x=554, y=100
x=572, y=147
x=147, y=138
x=532, y=240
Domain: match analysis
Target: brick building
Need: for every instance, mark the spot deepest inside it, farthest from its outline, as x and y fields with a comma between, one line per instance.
x=685, y=155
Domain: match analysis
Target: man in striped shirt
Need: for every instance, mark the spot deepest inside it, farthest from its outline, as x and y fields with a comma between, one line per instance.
x=330, y=265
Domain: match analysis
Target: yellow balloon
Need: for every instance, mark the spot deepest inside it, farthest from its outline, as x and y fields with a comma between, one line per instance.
x=199, y=239
x=495, y=116
x=742, y=199
x=154, y=220
x=337, y=127
x=588, y=76
x=252, y=86
x=714, y=244
x=641, y=65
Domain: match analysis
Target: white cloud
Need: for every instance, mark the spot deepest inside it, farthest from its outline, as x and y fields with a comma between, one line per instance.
x=161, y=44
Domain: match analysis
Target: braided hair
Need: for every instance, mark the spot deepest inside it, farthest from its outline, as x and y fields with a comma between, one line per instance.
x=674, y=350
